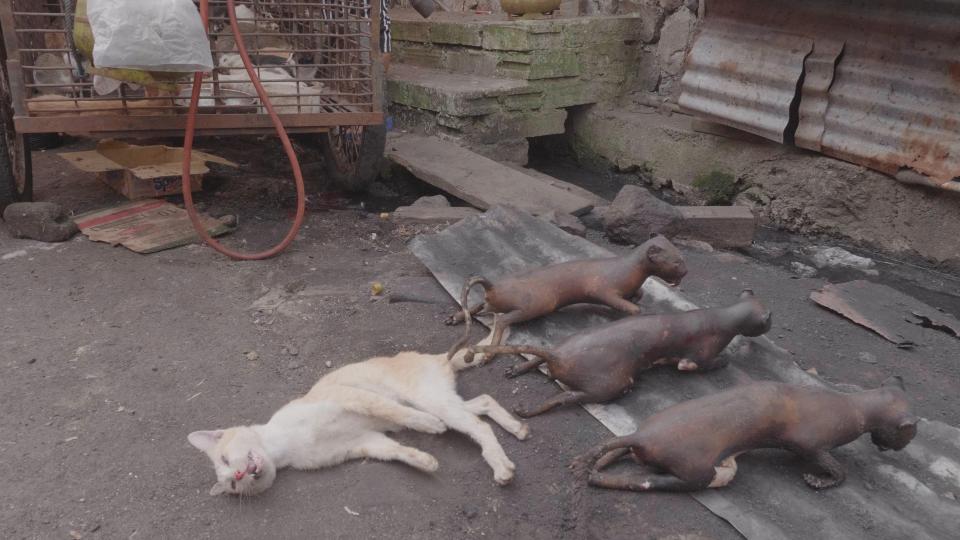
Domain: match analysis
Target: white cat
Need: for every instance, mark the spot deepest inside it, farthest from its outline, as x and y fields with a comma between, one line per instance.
x=344, y=416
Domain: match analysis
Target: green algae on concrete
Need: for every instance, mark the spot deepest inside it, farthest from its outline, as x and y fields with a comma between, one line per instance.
x=452, y=33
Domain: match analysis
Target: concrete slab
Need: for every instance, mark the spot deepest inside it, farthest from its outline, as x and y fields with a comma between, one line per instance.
x=432, y=214
x=452, y=93
x=721, y=226
x=478, y=180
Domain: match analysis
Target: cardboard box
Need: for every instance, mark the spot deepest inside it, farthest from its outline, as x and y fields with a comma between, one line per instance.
x=142, y=172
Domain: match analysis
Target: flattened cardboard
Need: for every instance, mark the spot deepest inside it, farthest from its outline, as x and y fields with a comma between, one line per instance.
x=145, y=226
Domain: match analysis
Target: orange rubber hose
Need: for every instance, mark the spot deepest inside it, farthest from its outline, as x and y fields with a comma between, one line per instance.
x=281, y=132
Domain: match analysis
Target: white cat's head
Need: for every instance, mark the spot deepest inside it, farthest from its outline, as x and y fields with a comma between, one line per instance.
x=242, y=465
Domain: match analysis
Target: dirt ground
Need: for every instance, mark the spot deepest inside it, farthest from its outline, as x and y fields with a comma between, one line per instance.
x=111, y=358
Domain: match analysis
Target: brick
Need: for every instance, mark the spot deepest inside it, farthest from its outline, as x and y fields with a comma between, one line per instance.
x=453, y=33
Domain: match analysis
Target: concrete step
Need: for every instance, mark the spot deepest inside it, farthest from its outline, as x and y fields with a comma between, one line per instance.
x=494, y=116
x=454, y=94
x=594, y=48
x=480, y=181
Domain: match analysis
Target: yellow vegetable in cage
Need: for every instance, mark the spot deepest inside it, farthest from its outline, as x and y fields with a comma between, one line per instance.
x=83, y=41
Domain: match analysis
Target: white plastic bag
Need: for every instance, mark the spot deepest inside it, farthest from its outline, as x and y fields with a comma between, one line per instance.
x=150, y=35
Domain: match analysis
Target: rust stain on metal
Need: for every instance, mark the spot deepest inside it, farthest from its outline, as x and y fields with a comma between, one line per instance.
x=955, y=72
x=835, y=298
x=749, y=82
x=890, y=103
x=819, y=69
x=886, y=311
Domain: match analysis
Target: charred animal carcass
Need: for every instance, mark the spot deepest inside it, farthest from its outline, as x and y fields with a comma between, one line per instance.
x=602, y=363
x=694, y=445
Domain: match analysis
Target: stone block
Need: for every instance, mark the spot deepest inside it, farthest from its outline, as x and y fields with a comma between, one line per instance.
x=564, y=92
x=475, y=62
x=418, y=31
x=518, y=38
x=496, y=127
x=420, y=55
x=522, y=102
x=543, y=122
x=457, y=123
x=457, y=33
x=635, y=214
x=675, y=36
x=428, y=214
x=436, y=201
x=588, y=31
x=720, y=226
x=43, y=221
x=649, y=18
x=566, y=222
x=433, y=99
x=553, y=64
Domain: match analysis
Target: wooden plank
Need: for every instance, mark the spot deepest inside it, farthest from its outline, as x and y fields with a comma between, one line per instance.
x=480, y=181
x=560, y=184
x=107, y=122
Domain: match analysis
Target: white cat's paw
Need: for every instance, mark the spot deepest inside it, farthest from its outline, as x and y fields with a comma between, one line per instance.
x=503, y=471
x=427, y=423
x=427, y=463
x=522, y=432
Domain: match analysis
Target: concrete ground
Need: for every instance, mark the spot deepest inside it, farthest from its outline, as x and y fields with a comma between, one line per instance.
x=111, y=358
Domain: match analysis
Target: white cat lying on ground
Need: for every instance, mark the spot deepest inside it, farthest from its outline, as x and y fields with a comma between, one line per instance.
x=344, y=416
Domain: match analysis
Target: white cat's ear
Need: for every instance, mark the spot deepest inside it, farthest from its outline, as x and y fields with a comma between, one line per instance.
x=204, y=440
x=217, y=489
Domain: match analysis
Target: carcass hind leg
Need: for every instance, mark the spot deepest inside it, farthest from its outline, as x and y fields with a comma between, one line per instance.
x=559, y=400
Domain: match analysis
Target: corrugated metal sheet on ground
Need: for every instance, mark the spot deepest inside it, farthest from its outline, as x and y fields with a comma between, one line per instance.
x=892, y=102
x=892, y=495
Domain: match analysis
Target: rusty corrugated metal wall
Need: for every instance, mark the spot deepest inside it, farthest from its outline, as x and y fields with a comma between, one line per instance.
x=874, y=82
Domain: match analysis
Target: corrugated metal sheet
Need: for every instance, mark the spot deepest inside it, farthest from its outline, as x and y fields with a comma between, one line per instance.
x=893, y=102
x=744, y=77
x=893, y=495
x=819, y=69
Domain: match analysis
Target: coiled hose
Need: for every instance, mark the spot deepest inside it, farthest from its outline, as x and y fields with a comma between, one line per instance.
x=281, y=133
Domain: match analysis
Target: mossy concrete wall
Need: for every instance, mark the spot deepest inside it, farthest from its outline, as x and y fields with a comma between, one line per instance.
x=556, y=63
x=787, y=187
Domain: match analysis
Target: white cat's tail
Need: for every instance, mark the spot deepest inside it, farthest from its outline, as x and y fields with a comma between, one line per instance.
x=463, y=358
x=459, y=360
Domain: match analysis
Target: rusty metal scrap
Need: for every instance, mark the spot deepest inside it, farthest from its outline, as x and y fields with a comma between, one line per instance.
x=891, y=314
x=891, y=101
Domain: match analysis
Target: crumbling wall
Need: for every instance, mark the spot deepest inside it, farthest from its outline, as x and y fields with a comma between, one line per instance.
x=788, y=188
x=675, y=22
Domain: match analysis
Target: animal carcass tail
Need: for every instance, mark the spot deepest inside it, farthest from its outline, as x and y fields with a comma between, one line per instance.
x=467, y=312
